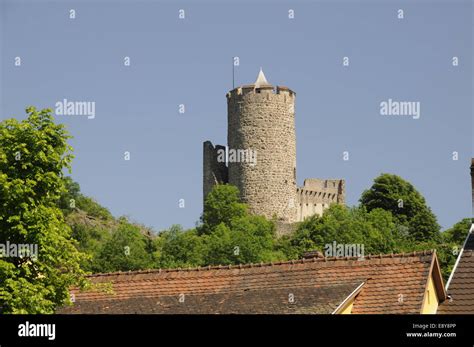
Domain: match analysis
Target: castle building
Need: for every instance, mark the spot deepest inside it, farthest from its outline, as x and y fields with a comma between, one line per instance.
x=260, y=159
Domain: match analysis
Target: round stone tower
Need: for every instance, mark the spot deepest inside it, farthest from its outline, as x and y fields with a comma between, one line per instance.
x=261, y=125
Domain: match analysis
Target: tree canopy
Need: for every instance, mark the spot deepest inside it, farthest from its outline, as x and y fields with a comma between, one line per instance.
x=376, y=230
x=33, y=154
x=394, y=194
x=222, y=205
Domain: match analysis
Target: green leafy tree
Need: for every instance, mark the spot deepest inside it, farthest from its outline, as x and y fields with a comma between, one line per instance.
x=33, y=154
x=284, y=249
x=232, y=235
x=72, y=200
x=375, y=230
x=67, y=199
x=127, y=249
x=407, y=205
x=219, y=246
x=458, y=232
x=179, y=248
x=90, y=240
x=222, y=205
x=91, y=223
x=248, y=239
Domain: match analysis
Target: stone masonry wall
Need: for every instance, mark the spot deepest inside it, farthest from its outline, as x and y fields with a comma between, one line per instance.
x=214, y=172
x=317, y=194
x=262, y=120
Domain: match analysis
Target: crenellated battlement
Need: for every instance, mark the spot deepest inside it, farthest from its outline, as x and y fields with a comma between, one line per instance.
x=313, y=196
x=264, y=92
x=324, y=185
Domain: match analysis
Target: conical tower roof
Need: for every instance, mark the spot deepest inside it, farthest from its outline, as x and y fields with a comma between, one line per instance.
x=261, y=80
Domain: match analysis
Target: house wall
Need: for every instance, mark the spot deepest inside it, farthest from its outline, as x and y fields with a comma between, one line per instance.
x=348, y=308
x=430, y=304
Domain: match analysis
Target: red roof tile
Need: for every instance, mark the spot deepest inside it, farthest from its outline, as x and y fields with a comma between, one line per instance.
x=393, y=284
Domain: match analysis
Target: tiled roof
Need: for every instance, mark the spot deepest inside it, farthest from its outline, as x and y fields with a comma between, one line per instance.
x=461, y=285
x=393, y=284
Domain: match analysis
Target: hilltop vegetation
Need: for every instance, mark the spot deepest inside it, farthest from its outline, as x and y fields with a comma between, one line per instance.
x=228, y=234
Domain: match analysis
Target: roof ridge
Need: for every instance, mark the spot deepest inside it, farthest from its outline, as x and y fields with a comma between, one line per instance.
x=261, y=264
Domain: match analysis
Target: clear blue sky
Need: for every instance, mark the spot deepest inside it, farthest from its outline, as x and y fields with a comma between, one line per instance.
x=189, y=62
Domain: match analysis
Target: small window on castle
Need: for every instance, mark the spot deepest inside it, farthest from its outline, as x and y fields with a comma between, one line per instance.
x=294, y=173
